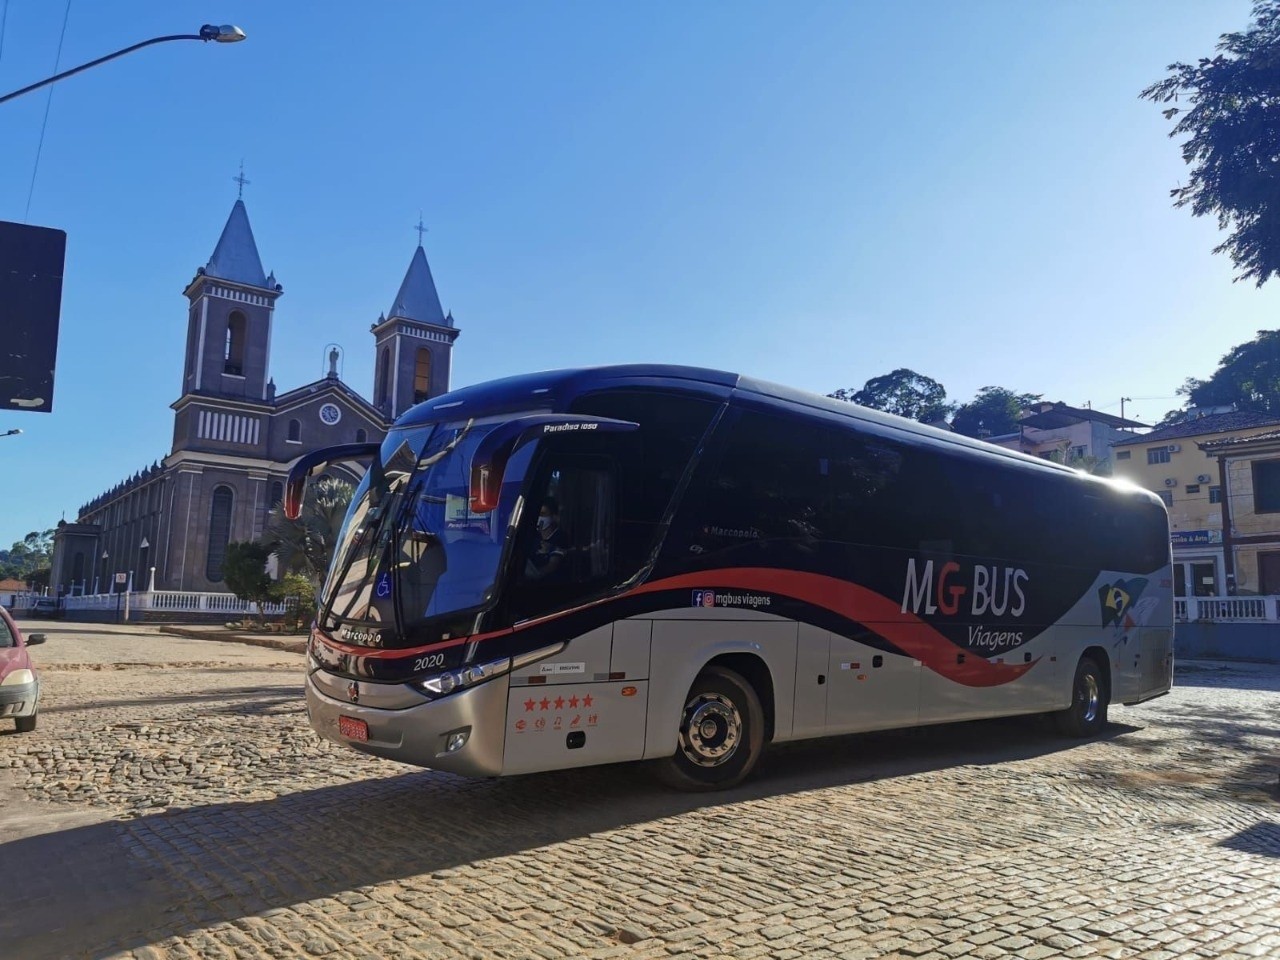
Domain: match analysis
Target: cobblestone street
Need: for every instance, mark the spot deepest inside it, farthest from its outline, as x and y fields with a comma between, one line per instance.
x=174, y=803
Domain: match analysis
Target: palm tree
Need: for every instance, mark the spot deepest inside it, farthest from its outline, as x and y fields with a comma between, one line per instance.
x=306, y=545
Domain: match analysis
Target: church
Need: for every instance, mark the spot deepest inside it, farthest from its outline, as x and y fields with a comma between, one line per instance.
x=234, y=435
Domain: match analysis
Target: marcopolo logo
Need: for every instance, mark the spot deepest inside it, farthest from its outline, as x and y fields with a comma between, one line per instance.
x=711, y=598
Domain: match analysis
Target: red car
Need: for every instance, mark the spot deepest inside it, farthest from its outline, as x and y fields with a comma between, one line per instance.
x=19, y=682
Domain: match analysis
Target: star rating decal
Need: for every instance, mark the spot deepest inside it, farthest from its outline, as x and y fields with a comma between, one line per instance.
x=558, y=721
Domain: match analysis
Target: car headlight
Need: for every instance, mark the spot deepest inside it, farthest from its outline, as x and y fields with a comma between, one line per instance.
x=18, y=678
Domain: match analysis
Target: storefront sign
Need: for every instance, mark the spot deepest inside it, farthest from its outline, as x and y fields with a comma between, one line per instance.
x=1187, y=538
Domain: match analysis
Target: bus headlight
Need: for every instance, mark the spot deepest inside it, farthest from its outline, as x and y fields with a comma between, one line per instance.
x=440, y=685
x=466, y=676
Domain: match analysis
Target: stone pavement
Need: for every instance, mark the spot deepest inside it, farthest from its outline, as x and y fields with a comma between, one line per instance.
x=178, y=806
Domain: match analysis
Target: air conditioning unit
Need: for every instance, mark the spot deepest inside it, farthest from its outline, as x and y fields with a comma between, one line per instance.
x=1174, y=448
x=1203, y=478
x=1170, y=482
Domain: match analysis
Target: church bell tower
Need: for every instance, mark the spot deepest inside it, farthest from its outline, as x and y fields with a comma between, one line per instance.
x=413, y=343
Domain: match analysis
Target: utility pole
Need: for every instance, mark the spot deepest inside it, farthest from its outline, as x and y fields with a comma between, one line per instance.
x=1123, y=401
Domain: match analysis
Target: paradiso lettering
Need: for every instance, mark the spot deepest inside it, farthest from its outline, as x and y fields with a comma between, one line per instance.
x=994, y=591
x=568, y=427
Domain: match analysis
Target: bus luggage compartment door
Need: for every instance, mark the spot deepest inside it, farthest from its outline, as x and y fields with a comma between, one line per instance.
x=553, y=726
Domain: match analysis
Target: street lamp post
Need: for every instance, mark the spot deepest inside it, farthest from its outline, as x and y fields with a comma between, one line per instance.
x=223, y=34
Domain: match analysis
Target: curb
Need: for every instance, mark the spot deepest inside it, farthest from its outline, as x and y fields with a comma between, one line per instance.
x=291, y=646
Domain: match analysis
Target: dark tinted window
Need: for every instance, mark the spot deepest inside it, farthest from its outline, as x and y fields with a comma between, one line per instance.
x=1266, y=486
x=565, y=548
x=779, y=478
x=6, y=635
x=651, y=461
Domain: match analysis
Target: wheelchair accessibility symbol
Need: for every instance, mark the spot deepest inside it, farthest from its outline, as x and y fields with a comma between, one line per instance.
x=384, y=585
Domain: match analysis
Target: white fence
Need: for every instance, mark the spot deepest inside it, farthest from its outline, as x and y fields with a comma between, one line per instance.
x=1228, y=609
x=173, y=601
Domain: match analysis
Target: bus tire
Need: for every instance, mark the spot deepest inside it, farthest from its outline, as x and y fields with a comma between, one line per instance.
x=721, y=734
x=1087, y=714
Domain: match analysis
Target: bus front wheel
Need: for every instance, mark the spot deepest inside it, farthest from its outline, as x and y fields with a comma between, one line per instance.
x=1087, y=714
x=721, y=733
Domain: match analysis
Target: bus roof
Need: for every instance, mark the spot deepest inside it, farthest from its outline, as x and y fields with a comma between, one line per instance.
x=556, y=389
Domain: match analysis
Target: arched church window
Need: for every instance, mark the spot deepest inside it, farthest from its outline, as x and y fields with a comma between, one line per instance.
x=77, y=568
x=361, y=436
x=219, y=532
x=295, y=431
x=422, y=375
x=233, y=360
x=384, y=376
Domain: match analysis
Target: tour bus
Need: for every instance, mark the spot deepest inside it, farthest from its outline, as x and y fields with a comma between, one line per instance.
x=681, y=565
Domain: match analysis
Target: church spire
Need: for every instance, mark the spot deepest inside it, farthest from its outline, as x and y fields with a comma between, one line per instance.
x=235, y=257
x=417, y=298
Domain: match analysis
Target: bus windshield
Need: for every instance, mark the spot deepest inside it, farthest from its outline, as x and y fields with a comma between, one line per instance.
x=411, y=549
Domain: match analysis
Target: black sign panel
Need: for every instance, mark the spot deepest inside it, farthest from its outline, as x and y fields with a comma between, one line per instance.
x=31, y=264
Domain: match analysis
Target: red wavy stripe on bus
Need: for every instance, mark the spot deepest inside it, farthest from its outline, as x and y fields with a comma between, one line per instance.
x=905, y=631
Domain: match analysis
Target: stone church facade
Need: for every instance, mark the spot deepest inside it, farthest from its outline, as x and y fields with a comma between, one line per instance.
x=234, y=437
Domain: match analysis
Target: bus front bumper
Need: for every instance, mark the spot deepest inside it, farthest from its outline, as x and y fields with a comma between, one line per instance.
x=471, y=721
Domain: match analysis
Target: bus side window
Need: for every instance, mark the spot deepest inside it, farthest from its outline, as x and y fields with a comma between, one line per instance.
x=572, y=555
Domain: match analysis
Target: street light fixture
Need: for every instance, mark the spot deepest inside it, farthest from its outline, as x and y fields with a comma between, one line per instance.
x=223, y=34
x=10, y=433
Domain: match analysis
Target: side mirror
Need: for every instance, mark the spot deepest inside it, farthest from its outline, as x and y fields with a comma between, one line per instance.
x=34, y=638
x=296, y=483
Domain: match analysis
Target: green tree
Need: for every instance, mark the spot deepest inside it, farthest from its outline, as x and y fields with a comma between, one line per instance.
x=904, y=393
x=306, y=545
x=33, y=552
x=1231, y=125
x=245, y=571
x=1248, y=377
x=992, y=412
x=299, y=594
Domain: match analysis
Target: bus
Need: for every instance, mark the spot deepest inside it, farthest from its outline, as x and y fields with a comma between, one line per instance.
x=681, y=565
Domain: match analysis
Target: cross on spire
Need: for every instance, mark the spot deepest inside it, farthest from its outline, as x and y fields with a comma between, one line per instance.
x=241, y=180
x=420, y=228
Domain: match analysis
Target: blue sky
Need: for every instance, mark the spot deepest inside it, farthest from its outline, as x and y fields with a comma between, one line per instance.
x=814, y=193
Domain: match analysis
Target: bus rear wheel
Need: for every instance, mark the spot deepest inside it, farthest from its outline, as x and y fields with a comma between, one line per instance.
x=1087, y=714
x=721, y=733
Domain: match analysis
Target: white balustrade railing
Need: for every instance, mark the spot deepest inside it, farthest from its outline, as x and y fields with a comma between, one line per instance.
x=1228, y=609
x=173, y=601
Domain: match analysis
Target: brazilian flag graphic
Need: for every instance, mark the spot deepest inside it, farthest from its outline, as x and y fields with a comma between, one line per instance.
x=1117, y=598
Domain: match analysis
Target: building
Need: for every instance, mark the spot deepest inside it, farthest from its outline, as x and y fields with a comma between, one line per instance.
x=1172, y=462
x=1068, y=434
x=234, y=435
x=11, y=590
x=1248, y=471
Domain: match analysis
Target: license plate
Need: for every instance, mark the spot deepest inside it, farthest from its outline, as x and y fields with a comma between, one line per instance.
x=353, y=729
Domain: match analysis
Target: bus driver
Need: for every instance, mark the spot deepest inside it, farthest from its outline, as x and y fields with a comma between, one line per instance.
x=547, y=557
